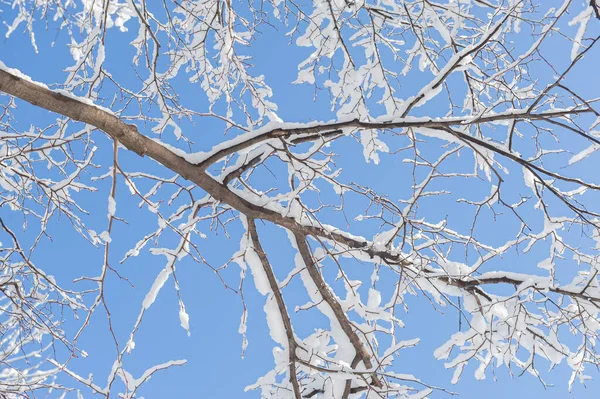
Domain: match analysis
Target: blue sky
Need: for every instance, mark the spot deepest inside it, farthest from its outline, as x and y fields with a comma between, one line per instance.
x=215, y=368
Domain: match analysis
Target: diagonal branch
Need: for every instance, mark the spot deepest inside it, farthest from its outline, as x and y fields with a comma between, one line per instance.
x=276, y=292
x=333, y=303
x=129, y=136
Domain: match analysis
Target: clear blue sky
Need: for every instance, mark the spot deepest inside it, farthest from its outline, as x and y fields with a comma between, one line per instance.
x=215, y=368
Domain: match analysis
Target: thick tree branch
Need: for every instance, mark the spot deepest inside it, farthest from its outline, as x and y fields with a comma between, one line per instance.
x=129, y=136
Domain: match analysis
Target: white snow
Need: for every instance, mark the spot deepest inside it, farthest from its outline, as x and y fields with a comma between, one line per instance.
x=582, y=19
